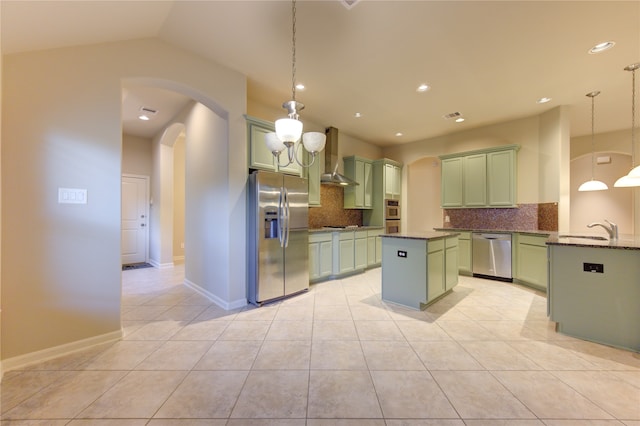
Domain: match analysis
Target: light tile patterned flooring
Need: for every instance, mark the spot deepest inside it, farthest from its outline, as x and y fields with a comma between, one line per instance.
x=337, y=355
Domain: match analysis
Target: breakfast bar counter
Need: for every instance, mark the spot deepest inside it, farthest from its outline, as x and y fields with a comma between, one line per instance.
x=418, y=268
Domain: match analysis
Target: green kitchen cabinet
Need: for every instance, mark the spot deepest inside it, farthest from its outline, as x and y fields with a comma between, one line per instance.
x=416, y=271
x=435, y=269
x=501, y=182
x=392, y=181
x=451, y=257
x=475, y=180
x=531, y=265
x=360, y=247
x=320, y=255
x=479, y=179
x=594, y=293
x=259, y=155
x=313, y=175
x=374, y=247
x=451, y=182
x=464, y=253
x=360, y=170
x=346, y=253
x=387, y=184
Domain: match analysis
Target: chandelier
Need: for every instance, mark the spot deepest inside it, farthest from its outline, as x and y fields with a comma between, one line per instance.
x=289, y=130
x=633, y=177
x=593, y=185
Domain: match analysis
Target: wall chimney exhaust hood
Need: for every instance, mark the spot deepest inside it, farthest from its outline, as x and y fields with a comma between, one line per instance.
x=331, y=175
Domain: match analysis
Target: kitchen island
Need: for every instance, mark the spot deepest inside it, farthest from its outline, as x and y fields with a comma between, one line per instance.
x=418, y=268
x=594, y=288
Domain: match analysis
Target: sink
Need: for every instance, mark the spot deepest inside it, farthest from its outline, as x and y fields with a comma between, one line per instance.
x=586, y=237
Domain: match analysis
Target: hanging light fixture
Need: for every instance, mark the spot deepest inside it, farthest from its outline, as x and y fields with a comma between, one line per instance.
x=289, y=130
x=593, y=185
x=633, y=177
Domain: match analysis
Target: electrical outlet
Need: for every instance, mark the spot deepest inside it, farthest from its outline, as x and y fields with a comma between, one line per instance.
x=181, y=245
x=447, y=219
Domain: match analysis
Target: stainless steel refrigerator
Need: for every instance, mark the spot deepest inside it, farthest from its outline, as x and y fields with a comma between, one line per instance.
x=278, y=236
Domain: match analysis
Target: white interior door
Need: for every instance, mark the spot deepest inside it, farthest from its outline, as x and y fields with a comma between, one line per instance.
x=135, y=229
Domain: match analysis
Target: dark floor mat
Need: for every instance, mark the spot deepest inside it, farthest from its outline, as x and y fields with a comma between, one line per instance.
x=136, y=266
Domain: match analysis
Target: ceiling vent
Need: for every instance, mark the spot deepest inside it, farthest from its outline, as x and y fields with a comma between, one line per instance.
x=148, y=111
x=349, y=3
x=452, y=115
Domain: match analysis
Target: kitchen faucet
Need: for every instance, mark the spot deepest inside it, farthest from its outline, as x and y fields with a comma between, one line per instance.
x=612, y=229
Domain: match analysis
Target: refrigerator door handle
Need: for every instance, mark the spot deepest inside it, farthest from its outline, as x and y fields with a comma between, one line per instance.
x=281, y=218
x=287, y=216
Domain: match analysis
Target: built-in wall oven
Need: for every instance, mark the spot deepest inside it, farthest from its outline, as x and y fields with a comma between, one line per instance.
x=392, y=209
x=392, y=216
x=392, y=226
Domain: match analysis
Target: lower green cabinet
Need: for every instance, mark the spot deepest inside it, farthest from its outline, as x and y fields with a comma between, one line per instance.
x=464, y=253
x=320, y=256
x=531, y=263
x=374, y=247
x=451, y=257
x=333, y=254
x=435, y=269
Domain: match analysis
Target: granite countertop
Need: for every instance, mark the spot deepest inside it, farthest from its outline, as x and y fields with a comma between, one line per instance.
x=497, y=231
x=350, y=228
x=425, y=235
x=624, y=242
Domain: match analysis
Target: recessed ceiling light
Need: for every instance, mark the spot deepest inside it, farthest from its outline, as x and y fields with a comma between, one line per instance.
x=300, y=86
x=398, y=134
x=143, y=117
x=423, y=88
x=601, y=47
x=357, y=115
x=543, y=100
x=459, y=119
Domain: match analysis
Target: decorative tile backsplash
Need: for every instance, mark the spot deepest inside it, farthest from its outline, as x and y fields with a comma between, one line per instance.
x=332, y=211
x=526, y=217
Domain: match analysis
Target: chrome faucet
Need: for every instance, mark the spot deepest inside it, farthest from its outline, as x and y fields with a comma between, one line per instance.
x=612, y=229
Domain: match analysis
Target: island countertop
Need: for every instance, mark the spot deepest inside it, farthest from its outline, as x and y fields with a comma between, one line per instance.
x=624, y=242
x=422, y=235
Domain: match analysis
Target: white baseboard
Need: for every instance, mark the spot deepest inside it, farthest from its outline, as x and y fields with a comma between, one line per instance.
x=178, y=259
x=50, y=353
x=215, y=299
x=159, y=265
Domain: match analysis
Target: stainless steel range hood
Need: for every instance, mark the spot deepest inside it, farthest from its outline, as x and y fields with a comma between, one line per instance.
x=331, y=175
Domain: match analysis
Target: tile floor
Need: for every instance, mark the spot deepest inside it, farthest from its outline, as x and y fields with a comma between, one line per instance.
x=337, y=355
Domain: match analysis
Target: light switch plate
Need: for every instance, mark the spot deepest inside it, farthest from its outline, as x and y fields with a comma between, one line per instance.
x=72, y=196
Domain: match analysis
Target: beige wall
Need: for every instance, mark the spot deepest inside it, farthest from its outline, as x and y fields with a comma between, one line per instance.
x=614, y=204
x=423, y=189
x=136, y=155
x=63, y=129
x=178, y=198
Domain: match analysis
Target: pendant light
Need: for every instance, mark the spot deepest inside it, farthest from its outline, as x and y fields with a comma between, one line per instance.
x=289, y=130
x=633, y=177
x=593, y=185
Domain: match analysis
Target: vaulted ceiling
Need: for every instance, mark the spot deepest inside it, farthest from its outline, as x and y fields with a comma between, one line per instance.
x=489, y=61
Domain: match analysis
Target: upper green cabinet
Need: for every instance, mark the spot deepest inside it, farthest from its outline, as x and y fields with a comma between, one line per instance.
x=259, y=155
x=477, y=179
x=452, y=182
x=392, y=181
x=501, y=181
x=360, y=170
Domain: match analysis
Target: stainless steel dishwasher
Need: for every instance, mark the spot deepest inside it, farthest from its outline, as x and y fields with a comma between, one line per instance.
x=491, y=254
